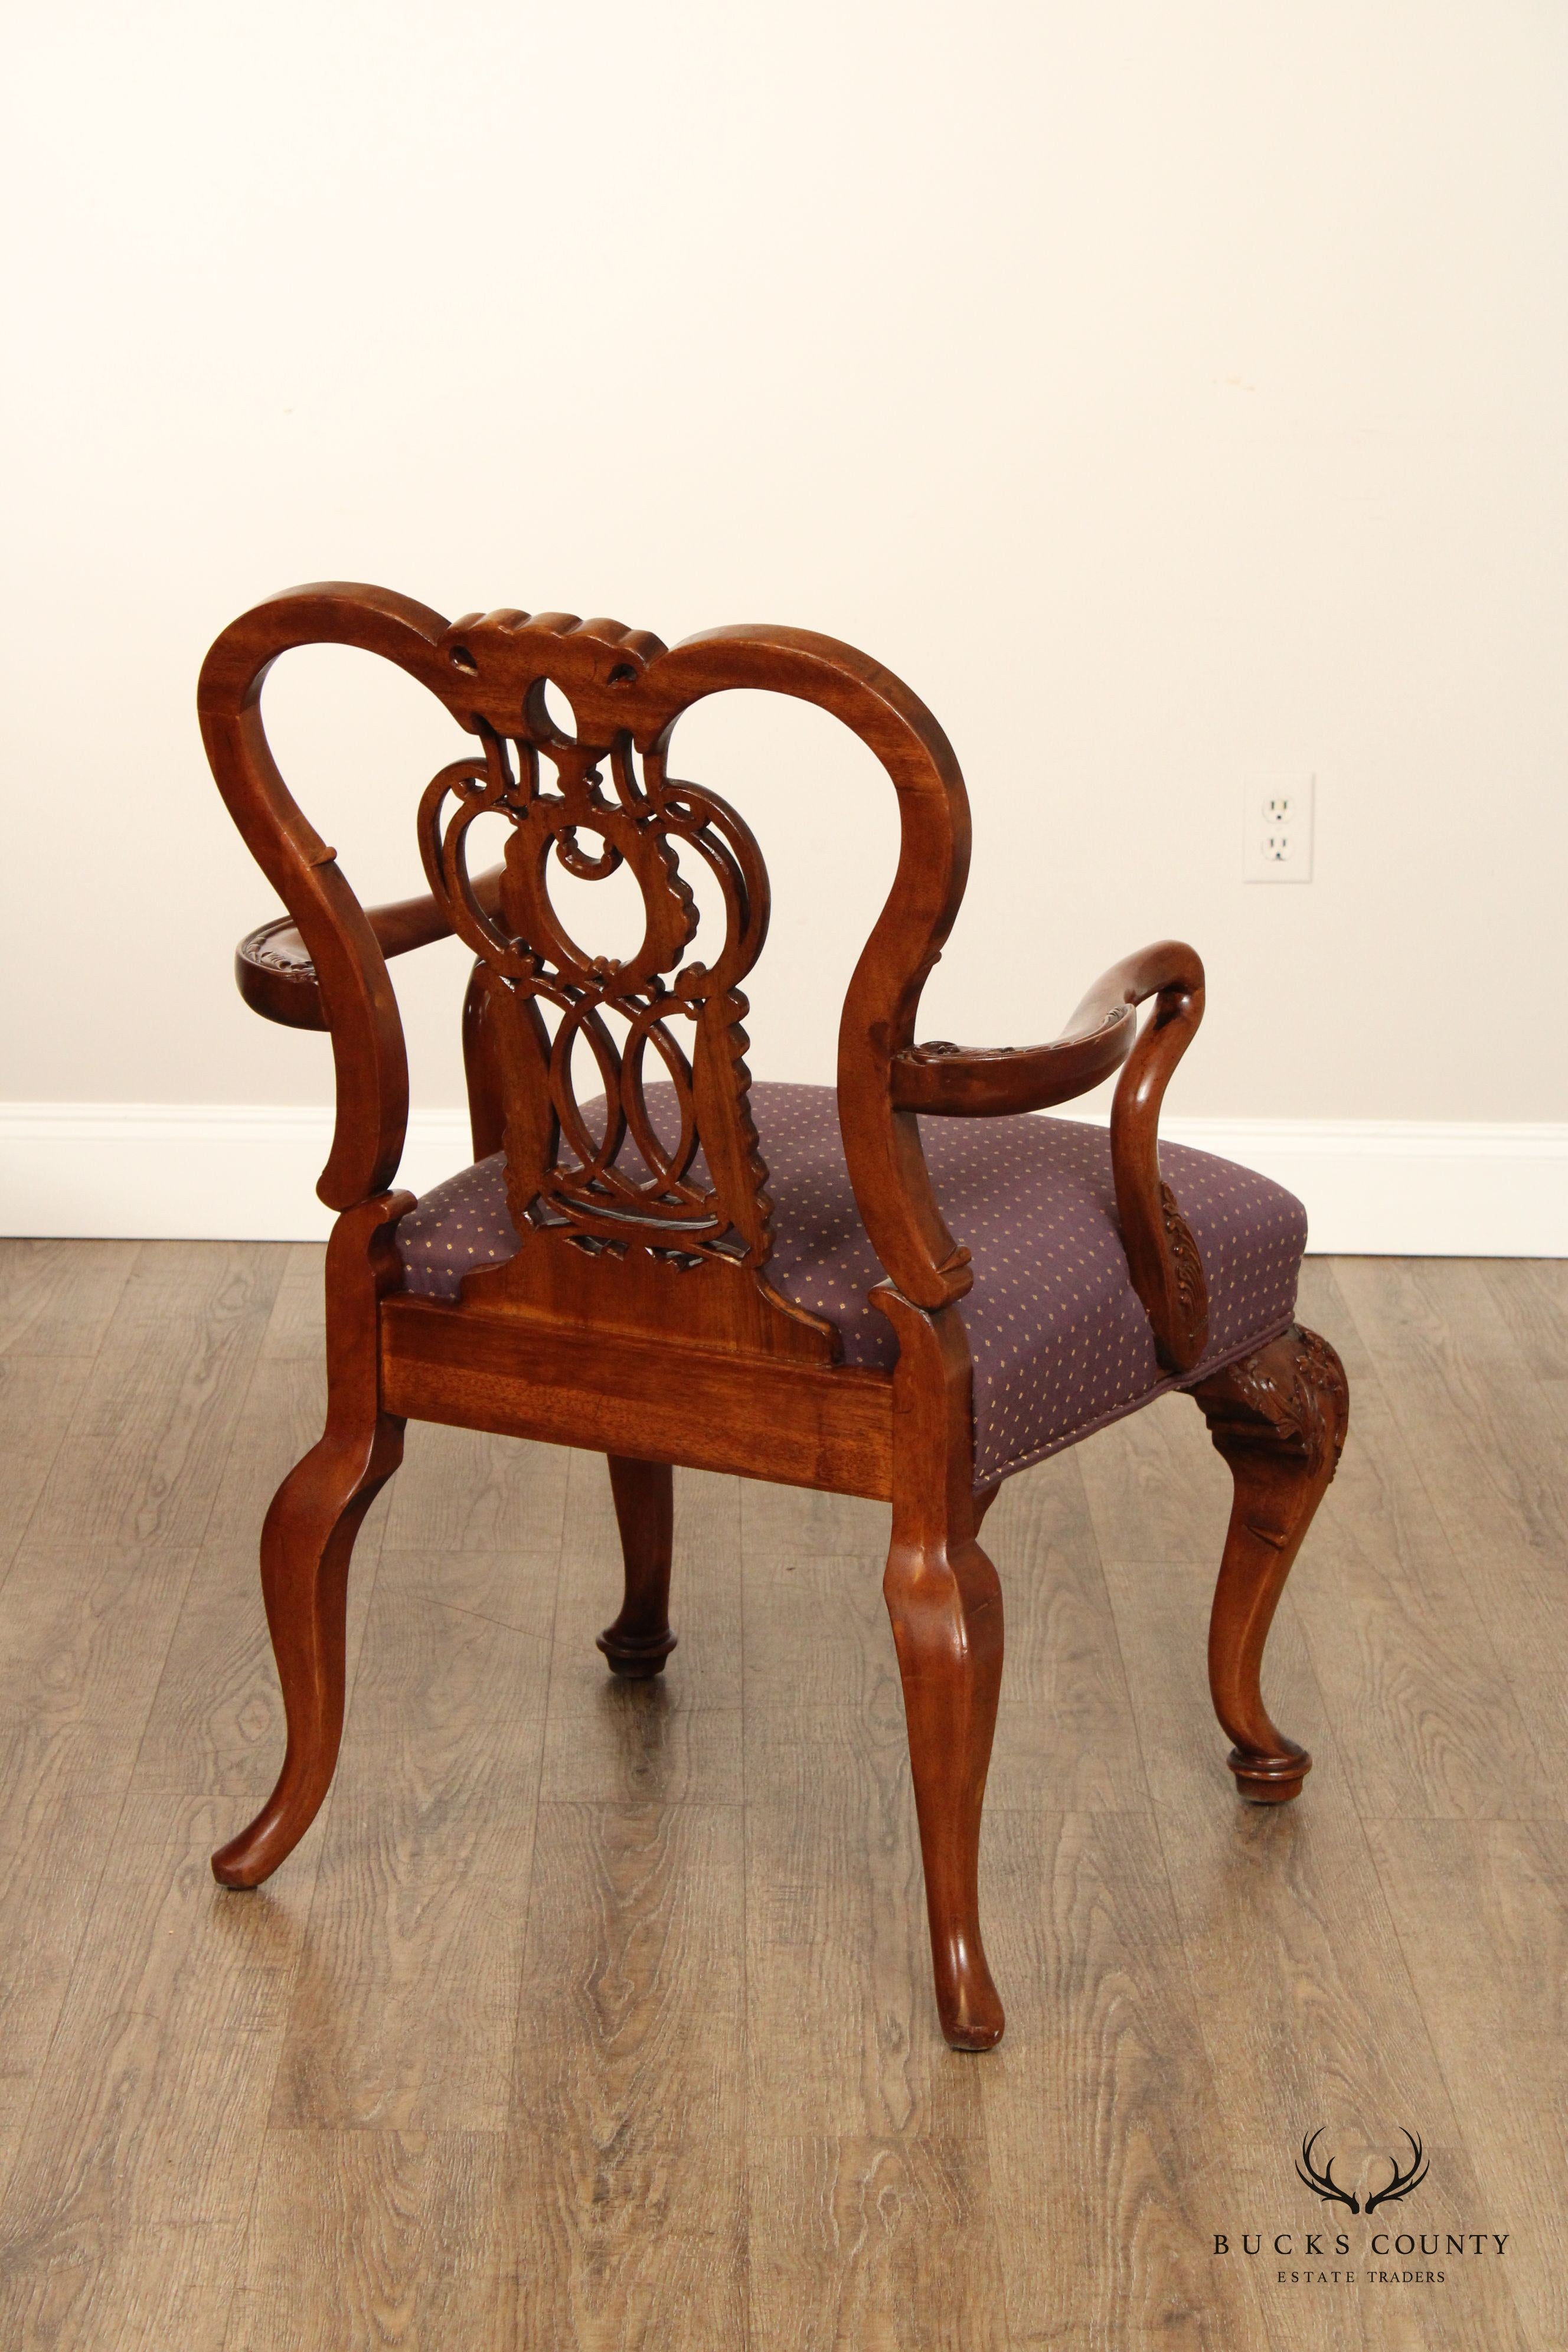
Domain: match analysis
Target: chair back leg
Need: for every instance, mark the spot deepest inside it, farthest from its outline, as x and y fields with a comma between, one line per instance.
x=1278, y=1418
x=945, y=1603
x=308, y=1535
x=639, y=1640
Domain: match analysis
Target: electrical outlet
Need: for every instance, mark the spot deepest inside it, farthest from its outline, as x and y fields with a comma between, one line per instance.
x=1277, y=839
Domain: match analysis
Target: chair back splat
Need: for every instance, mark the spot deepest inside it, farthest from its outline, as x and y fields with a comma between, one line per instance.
x=618, y=1209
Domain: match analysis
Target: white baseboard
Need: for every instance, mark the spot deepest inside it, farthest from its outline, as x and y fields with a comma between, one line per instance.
x=1408, y=1188
x=189, y=1172
x=1416, y=1188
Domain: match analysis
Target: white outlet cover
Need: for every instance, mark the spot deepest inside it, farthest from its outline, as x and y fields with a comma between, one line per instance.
x=1276, y=831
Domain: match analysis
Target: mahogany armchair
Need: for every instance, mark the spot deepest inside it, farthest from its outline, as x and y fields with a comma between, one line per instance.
x=758, y=1280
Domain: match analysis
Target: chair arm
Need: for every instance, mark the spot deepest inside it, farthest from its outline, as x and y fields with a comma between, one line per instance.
x=273, y=971
x=953, y=1082
x=945, y=1081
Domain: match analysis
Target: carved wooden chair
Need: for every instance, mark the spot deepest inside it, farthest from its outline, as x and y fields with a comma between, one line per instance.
x=758, y=1280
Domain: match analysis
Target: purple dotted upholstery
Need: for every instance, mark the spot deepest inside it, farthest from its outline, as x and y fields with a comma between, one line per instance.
x=1061, y=1342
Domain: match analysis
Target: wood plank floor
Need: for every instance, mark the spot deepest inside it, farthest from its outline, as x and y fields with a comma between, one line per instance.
x=594, y=2015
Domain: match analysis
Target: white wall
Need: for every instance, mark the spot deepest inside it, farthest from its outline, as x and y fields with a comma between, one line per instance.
x=1170, y=390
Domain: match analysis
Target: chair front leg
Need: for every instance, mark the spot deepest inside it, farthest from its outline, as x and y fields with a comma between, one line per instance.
x=639, y=1640
x=945, y=1603
x=1279, y=1418
x=307, y=1539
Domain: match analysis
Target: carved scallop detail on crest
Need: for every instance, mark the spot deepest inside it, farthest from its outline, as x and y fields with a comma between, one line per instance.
x=499, y=664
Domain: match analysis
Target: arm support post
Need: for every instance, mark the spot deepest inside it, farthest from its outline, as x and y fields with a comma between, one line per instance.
x=955, y=1082
x=1162, y=1255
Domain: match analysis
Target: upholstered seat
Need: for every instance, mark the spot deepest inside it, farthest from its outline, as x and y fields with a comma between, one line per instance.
x=1062, y=1342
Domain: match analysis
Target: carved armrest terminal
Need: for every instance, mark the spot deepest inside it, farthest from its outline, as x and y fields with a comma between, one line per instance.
x=273, y=967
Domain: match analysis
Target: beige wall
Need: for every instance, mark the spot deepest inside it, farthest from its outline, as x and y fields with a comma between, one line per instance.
x=1173, y=394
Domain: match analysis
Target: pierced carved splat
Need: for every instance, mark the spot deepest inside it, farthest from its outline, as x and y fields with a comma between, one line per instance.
x=683, y=1198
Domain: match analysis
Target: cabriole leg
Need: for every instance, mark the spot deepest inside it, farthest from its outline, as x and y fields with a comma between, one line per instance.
x=639, y=1640
x=947, y=1624
x=1278, y=1418
x=945, y=1604
x=306, y=1544
x=308, y=1537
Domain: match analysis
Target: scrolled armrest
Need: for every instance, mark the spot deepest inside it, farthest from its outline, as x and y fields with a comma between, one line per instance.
x=957, y=1082
x=946, y=1081
x=274, y=973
